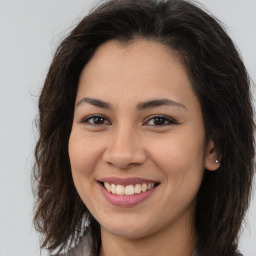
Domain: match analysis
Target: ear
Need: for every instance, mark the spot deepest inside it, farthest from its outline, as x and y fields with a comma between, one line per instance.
x=212, y=157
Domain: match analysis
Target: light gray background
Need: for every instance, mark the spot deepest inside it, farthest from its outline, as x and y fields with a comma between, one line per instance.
x=29, y=34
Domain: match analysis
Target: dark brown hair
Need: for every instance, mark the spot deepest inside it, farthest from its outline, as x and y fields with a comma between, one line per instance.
x=220, y=81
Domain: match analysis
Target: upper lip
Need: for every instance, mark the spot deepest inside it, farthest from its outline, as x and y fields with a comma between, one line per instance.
x=127, y=181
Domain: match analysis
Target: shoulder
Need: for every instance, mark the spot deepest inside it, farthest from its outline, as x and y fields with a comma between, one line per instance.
x=82, y=249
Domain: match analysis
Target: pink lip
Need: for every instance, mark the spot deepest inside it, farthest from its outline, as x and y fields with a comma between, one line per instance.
x=126, y=181
x=126, y=201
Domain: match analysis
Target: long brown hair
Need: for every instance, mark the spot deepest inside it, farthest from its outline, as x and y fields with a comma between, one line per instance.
x=220, y=81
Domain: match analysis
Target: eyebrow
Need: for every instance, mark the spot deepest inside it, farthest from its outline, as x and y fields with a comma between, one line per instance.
x=159, y=102
x=95, y=102
x=141, y=106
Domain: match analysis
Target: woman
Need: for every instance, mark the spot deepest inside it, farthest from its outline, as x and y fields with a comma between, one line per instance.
x=146, y=135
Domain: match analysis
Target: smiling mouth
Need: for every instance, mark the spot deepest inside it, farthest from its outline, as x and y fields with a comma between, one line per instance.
x=128, y=190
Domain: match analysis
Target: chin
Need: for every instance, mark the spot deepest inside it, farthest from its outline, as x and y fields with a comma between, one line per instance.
x=130, y=229
x=131, y=234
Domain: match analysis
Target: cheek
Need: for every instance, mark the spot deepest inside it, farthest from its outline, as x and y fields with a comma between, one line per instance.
x=180, y=151
x=82, y=161
x=82, y=154
x=181, y=160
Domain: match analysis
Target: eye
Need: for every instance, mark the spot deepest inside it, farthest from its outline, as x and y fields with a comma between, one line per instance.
x=96, y=120
x=160, y=120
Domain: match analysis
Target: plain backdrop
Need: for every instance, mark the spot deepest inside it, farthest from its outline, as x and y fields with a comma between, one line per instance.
x=29, y=34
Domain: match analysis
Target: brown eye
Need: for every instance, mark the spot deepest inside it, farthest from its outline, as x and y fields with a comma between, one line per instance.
x=160, y=121
x=96, y=120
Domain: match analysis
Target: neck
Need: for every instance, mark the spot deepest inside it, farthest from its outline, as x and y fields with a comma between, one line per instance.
x=180, y=240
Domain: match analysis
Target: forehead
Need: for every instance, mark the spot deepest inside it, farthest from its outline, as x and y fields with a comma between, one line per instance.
x=140, y=68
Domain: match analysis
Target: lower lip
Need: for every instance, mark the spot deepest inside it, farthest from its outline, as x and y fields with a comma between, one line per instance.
x=126, y=201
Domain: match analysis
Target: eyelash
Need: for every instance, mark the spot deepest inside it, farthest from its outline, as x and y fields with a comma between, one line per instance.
x=169, y=120
x=87, y=119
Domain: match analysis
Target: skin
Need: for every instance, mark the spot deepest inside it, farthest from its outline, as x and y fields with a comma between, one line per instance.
x=131, y=142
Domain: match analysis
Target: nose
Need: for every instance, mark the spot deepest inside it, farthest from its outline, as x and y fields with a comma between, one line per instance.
x=124, y=149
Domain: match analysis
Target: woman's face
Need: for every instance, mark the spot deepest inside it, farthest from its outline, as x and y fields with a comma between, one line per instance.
x=137, y=146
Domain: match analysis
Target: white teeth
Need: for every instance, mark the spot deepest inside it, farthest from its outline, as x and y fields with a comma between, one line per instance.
x=129, y=189
x=144, y=187
x=113, y=188
x=137, y=188
x=107, y=186
x=119, y=189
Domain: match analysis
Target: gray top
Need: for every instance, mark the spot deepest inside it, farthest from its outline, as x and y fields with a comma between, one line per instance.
x=83, y=248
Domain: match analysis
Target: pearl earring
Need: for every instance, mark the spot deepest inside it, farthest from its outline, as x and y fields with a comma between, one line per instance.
x=216, y=161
